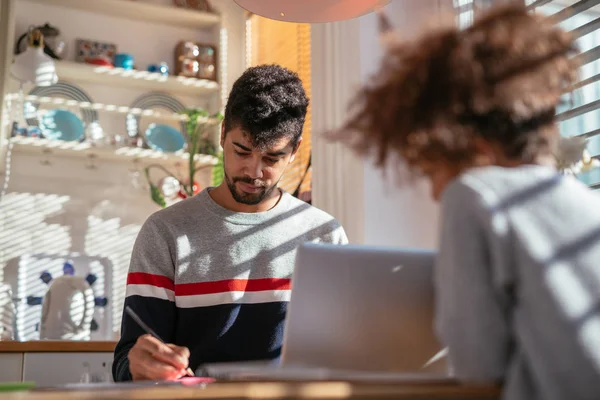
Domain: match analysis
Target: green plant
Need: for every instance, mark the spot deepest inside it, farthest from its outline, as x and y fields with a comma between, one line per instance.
x=199, y=141
x=218, y=173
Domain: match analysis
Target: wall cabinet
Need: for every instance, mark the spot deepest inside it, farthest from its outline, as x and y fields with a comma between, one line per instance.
x=41, y=368
x=11, y=367
x=51, y=363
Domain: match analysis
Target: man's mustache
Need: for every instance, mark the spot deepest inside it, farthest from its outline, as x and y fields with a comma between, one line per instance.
x=249, y=181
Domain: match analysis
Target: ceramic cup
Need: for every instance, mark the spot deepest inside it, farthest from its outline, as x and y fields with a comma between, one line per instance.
x=123, y=60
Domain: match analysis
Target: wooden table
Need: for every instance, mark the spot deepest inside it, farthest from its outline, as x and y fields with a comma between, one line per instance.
x=272, y=390
x=51, y=346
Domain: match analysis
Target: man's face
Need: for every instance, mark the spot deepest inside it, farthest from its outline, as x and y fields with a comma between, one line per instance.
x=252, y=174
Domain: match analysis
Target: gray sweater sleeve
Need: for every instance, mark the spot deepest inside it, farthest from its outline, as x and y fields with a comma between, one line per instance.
x=152, y=256
x=470, y=317
x=337, y=236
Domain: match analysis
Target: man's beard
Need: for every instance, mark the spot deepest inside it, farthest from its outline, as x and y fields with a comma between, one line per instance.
x=250, y=199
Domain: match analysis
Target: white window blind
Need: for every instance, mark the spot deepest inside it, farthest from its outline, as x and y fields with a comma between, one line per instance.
x=579, y=115
x=464, y=12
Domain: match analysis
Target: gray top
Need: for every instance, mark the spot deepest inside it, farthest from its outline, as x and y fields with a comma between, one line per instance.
x=518, y=282
x=204, y=242
x=218, y=281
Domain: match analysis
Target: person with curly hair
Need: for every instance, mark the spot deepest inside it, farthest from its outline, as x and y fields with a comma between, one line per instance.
x=517, y=276
x=211, y=274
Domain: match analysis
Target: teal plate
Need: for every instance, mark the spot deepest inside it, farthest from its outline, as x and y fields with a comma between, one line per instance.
x=59, y=124
x=164, y=138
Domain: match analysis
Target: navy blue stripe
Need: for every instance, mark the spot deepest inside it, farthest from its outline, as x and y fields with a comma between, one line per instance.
x=159, y=314
x=223, y=333
x=232, y=332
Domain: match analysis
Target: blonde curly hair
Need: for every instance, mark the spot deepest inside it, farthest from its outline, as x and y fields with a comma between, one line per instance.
x=500, y=79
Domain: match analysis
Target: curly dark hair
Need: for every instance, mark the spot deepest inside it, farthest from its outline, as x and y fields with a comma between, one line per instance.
x=499, y=79
x=267, y=102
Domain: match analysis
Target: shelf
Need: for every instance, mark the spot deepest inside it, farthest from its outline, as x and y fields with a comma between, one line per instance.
x=57, y=148
x=157, y=115
x=140, y=11
x=150, y=81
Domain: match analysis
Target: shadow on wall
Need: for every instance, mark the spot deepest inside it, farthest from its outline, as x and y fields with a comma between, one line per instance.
x=31, y=244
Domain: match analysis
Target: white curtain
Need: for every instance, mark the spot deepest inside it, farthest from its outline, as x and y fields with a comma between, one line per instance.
x=337, y=174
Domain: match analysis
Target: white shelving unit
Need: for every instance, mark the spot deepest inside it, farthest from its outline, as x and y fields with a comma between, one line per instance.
x=97, y=195
x=83, y=73
x=113, y=108
x=59, y=148
x=166, y=14
x=130, y=9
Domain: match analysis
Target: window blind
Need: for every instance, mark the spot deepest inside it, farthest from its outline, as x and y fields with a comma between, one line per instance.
x=464, y=10
x=579, y=113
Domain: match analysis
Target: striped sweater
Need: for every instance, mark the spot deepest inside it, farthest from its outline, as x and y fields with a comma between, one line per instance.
x=218, y=281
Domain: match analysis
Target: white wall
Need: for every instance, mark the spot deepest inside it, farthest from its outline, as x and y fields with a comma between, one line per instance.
x=377, y=211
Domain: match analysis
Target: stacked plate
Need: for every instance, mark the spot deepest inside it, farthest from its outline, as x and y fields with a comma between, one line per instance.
x=60, y=123
x=161, y=137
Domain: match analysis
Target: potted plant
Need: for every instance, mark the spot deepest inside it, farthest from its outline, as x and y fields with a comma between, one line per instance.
x=199, y=141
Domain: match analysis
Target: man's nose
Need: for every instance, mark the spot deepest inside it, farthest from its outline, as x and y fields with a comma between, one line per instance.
x=255, y=169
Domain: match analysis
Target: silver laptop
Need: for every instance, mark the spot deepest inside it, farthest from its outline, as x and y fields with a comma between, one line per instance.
x=355, y=312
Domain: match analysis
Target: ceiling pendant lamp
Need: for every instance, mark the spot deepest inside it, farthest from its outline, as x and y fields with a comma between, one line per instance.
x=311, y=11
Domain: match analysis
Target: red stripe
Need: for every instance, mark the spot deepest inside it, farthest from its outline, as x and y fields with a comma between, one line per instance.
x=232, y=285
x=142, y=278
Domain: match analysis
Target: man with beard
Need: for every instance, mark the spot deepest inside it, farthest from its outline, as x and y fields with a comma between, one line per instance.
x=211, y=274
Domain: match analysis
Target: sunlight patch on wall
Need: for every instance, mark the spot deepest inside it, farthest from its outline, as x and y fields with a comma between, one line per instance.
x=107, y=238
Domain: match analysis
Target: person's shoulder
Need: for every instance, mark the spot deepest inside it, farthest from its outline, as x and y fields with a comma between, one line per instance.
x=493, y=185
x=323, y=224
x=533, y=186
x=308, y=210
x=176, y=214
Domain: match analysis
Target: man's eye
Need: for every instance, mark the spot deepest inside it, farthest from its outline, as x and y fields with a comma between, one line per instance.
x=271, y=160
x=240, y=153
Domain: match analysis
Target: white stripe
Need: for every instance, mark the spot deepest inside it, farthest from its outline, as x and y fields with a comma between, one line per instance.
x=150, y=291
x=215, y=299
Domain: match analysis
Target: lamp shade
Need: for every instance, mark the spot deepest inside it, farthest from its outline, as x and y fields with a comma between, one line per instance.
x=310, y=11
x=33, y=65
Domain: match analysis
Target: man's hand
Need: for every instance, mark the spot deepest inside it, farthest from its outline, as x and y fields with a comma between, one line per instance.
x=150, y=359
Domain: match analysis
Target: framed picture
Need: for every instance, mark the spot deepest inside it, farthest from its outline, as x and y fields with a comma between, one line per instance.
x=89, y=50
x=196, y=60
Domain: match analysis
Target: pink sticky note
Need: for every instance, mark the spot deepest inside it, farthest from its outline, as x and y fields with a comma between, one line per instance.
x=194, y=380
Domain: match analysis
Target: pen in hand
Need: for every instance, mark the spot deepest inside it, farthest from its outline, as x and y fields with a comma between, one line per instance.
x=149, y=330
